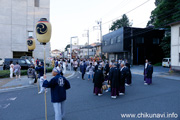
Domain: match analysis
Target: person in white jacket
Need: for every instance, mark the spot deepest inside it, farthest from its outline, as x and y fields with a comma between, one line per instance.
x=90, y=69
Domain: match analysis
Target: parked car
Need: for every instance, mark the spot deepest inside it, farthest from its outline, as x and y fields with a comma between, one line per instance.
x=24, y=63
x=42, y=60
x=26, y=57
x=166, y=62
x=1, y=61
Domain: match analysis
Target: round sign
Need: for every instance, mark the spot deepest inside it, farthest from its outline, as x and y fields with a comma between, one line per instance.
x=41, y=28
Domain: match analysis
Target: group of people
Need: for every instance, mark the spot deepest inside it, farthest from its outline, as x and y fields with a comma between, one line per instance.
x=113, y=76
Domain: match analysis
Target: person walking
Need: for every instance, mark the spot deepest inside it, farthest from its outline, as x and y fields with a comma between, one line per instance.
x=40, y=69
x=98, y=81
x=17, y=70
x=75, y=65
x=123, y=77
x=58, y=84
x=11, y=69
x=90, y=70
x=129, y=75
x=145, y=70
x=31, y=73
x=83, y=69
x=115, y=77
x=149, y=74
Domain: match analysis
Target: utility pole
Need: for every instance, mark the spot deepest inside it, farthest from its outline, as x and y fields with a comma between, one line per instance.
x=100, y=26
x=88, y=42
x=132, y=46
x=87, y=35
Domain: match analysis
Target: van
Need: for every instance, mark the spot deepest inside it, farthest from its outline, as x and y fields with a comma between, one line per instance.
x=24, y=63
x=166, y=62
x=1, y=61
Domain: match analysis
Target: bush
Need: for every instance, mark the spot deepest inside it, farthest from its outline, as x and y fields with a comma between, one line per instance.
x=6, y=73
x=158, y=64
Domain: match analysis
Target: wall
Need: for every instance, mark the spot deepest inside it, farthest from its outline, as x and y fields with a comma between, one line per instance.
x=175, y=47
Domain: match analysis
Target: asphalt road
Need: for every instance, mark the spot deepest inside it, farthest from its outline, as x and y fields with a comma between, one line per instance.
x=162, y=97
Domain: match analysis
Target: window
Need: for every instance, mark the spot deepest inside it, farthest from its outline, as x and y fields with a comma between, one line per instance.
x=36, y=3
x=140, y=40
x=30, y=33
x=155, y=40
x=179, y=57
x=28, y=62
x=21, y=61
x=118, y=39
x=105, y=43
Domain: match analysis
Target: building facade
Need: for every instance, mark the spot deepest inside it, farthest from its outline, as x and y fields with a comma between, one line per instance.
x=175, y=46
x=134, y=44
x=17, y=22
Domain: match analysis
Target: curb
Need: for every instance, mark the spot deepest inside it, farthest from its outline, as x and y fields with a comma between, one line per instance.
x=25, y=86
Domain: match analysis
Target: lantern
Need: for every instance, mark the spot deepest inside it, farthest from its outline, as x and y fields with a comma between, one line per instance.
x=31, y=43
x=43, y=31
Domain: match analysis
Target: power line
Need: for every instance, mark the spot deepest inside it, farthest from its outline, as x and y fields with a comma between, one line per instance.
x=127, y=12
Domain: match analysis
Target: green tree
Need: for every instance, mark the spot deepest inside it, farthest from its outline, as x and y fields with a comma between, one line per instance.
x=123, y=22
x=165, y=45
x=166, y=12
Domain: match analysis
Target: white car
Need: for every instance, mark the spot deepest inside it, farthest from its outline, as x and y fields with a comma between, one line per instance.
x=166, y=62
x=1, y=61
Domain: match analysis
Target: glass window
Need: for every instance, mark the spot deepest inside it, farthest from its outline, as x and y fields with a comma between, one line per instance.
x=179, y=57
x=140, y=40
x=21, y=61
x=111, y=40
x=28, y=62
x=36, y=3
x=155, y=40
x=105, y=43
x=118, y=39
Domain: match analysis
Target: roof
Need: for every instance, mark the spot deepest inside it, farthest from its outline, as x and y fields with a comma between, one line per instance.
x=174, y=23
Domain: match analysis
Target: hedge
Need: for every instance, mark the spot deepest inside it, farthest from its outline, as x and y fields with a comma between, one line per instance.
x=6, y=73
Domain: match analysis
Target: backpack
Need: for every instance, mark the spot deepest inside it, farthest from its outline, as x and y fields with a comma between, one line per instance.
x=31, y=73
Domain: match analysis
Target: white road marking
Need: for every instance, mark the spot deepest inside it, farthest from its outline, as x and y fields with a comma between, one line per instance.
x=6, y=106
x=12, y=99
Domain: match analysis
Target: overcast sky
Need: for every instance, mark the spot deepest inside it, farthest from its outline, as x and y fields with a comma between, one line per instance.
x=72, y=17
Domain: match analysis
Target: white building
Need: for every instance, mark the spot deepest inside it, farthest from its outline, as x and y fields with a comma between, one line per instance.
x=175, y=45
x=17, y=22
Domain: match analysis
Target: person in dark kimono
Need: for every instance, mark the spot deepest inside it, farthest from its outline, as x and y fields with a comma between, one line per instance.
x=96, y=67
x=129, y=75
x=115, y=81
x=145, y=70
x=107, y=68
x=149, y=74
x=83, y=69
x=98, y=80
x=122, y=80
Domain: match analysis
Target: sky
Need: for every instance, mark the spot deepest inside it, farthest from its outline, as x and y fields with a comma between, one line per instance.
x=71, y=18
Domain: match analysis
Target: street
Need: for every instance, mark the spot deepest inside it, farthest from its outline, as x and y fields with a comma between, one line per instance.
x=162, y=97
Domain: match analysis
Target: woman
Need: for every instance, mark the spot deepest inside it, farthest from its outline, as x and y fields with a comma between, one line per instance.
x=90, y=69
x=11, y=69
x=17, y=70
x=149, y=74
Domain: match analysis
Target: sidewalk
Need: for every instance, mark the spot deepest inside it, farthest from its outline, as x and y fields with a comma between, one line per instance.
x=10, y=84
x=158, y=72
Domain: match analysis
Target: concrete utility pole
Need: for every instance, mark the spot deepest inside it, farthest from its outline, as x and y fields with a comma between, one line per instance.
x=100, y=26
x=131, y=46
x=87, y=35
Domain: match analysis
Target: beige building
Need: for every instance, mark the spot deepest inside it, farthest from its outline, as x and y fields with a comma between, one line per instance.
x=17, y=22
x=175, y=45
